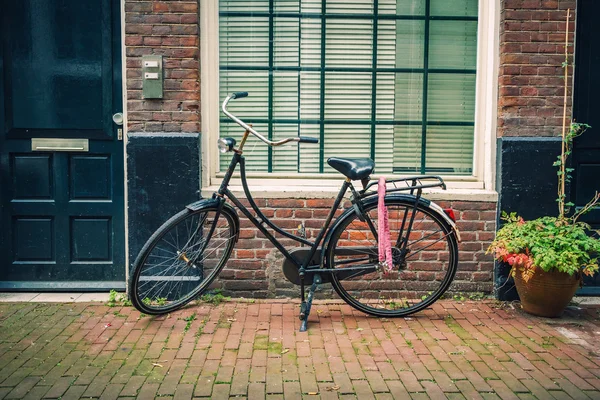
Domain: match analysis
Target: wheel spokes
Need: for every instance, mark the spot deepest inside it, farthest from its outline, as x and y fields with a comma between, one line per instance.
x=418, y=271
x=175, y=266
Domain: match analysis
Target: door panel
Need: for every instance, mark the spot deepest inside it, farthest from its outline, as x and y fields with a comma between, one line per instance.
x=62, y=212
x=60, y=55
x=586, y=108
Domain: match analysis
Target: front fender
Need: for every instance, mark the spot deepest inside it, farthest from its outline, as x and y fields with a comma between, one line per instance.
x=226, y=208
x=195, y=206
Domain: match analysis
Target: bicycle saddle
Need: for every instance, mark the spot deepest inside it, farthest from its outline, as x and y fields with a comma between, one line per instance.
x=353, y=168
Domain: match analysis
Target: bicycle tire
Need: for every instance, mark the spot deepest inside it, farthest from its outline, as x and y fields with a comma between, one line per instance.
x=189, y=261
x=402, y=291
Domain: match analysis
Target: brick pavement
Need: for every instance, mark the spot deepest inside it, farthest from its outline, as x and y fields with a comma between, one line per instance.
x=472, y=350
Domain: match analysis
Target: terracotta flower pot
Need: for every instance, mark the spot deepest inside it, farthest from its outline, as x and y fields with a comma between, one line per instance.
x=546, y=294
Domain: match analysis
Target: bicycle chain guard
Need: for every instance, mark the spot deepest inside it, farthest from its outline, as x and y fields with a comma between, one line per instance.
x=292, y=274
x=289, y=268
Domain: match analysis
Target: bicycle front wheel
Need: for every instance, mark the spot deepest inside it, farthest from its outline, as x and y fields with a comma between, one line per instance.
x=182, y=258
x=419, y=276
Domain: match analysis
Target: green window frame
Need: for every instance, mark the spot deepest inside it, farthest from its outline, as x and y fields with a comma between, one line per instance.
x=338, y=87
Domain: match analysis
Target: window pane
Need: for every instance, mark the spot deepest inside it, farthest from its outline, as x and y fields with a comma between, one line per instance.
x=386, y=44
x=410, y=44
x=244, y=41
x=348, y=95
x=350, y=7
x=409, y=97
x=407, y=149
x=453, y=44
x=454, y=8
x=292, y=6
x=349, y=43
x=449, y=150
x=310, y=6
x=286, y=39
x=451, y=97
x=402, y=7
x=384, y=149
x=310, y=95
x=310, y=157
x=401, y=44
x=285, y=95
x=310, y=43
x=386, y=96
x=400, y=96
x=244, y=5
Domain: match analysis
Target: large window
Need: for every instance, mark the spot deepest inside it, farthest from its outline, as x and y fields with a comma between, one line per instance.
x=393, y=80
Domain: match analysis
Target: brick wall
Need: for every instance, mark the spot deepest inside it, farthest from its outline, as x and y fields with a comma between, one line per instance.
x=254, y=269
x=168, y=28
x=532, y=35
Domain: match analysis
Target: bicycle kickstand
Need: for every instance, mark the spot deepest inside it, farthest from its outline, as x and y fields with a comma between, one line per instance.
x=306, y=305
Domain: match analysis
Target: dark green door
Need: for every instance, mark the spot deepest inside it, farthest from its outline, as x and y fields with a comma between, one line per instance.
x=586, y=108
x=62, y=208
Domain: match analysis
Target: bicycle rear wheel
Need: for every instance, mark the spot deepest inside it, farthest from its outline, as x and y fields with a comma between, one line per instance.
x=182, y=258
x=417, y=279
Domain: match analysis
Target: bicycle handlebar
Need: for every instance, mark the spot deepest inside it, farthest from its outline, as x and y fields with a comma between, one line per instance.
x=239, y=95
x=308, y=139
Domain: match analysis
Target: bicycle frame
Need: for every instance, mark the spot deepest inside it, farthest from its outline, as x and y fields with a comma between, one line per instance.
x=304, y=265
x=262, y=220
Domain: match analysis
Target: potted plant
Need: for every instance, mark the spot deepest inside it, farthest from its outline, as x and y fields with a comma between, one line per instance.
x=549, y=255
x=548, y=258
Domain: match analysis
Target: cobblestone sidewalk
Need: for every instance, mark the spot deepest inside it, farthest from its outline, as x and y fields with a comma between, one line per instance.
x=239, y=349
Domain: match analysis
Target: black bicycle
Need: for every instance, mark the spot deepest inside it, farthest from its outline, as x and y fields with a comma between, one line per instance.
x=183, y=257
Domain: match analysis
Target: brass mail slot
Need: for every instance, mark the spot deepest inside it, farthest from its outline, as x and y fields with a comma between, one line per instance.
x=43, y=144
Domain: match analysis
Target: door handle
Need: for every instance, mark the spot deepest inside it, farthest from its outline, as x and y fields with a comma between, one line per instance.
x=118, y=118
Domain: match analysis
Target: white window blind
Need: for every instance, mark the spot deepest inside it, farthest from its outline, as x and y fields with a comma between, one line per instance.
x=389, y=79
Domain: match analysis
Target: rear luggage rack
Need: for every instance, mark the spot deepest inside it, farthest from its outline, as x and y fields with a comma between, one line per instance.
x=407, y=184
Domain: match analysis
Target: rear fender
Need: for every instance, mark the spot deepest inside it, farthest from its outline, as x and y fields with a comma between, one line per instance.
x=441, y=211
x=373, y=198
